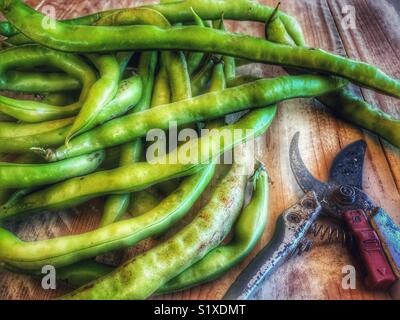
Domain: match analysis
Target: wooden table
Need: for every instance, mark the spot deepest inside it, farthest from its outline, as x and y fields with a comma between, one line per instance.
x=318, y=274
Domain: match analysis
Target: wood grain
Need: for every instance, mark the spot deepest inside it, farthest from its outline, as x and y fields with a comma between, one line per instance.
x=318, y=274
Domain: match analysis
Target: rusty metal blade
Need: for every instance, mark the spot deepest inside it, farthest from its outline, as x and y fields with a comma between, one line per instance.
x=304, y=178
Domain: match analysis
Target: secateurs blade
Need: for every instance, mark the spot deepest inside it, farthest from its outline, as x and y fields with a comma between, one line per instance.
x=376, y=236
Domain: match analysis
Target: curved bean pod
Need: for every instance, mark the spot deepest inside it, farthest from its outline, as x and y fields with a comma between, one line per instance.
x=79, y=274
x=140, y=277
x=174, y=62
x=359, y=112
x=99, y=95
x=201, y=79
x=35, y=111
x=229, y=62
x=194, y=59
x=14, y=175
x=67, y=250
x=116, y=205
x=142, y=202
x=208, y=106
x=344, y=102
x=181, y=11
x=29, y=56
x=16, y=130
x=161, y=91
x=59, y=98
x=53, y=133
x=34, y=55
x=248, y=230
x=7, y=29
x=139, y=176
x=178, y=75
x=34, y=82
x=22, y=144
x=74, y=38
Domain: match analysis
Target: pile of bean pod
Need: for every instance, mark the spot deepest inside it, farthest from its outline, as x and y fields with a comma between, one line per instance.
x=99, y=83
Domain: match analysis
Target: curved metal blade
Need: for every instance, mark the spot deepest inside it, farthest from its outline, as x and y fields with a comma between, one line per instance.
x=347, y=167
x=304, y=178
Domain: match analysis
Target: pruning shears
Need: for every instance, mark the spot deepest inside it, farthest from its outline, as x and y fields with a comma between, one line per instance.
x=376, y=238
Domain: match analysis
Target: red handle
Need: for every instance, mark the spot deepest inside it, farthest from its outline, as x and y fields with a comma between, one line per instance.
x=379, y=272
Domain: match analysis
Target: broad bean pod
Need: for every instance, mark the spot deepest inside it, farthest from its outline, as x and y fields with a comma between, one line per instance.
x=186, y=160
x=344, y=102
x=16, y=130
x=359, y=112
x=143, y=37
x=143, y=275
x=181, y=11
x=174, y=62
x=14, y=175
x=34, y=55
x=161, y=91
x=201, y=78
x=142, y=202
x=35, y=82
x=248, y=230
x=116, y=205
x=67, y=250
x=59, y=98
x=208, y=106
x=53, y=133
x=99, y=95
x=75, y=276
x=194, y=59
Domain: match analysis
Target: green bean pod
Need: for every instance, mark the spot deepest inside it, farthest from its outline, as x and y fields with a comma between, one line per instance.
x=186, y=160
x=35, y=111
x=16, y=130
x=194, y=59
x=75, y=38
x=53, y=133
x=8, y=30
x=29, y=56
x=162, y=91
x=35, y=82
x=248, y=230
x=178, y=76
x=229, y=62
x=181, y=11
x=142, y=202
x=174, y=62
x=142, y=276
x=116, y=205
x=75, y=276
x=64, y=251
x=5, y=194
x=99, y=95
x=14, y=175
x=59, y=98
x=344, y=102
x=201, y=79
x=359, y=112
x=33, y=55
x=22, y=144
x=208, y=106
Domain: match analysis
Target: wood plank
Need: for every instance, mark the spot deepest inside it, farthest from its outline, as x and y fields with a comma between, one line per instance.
x=318, y=274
